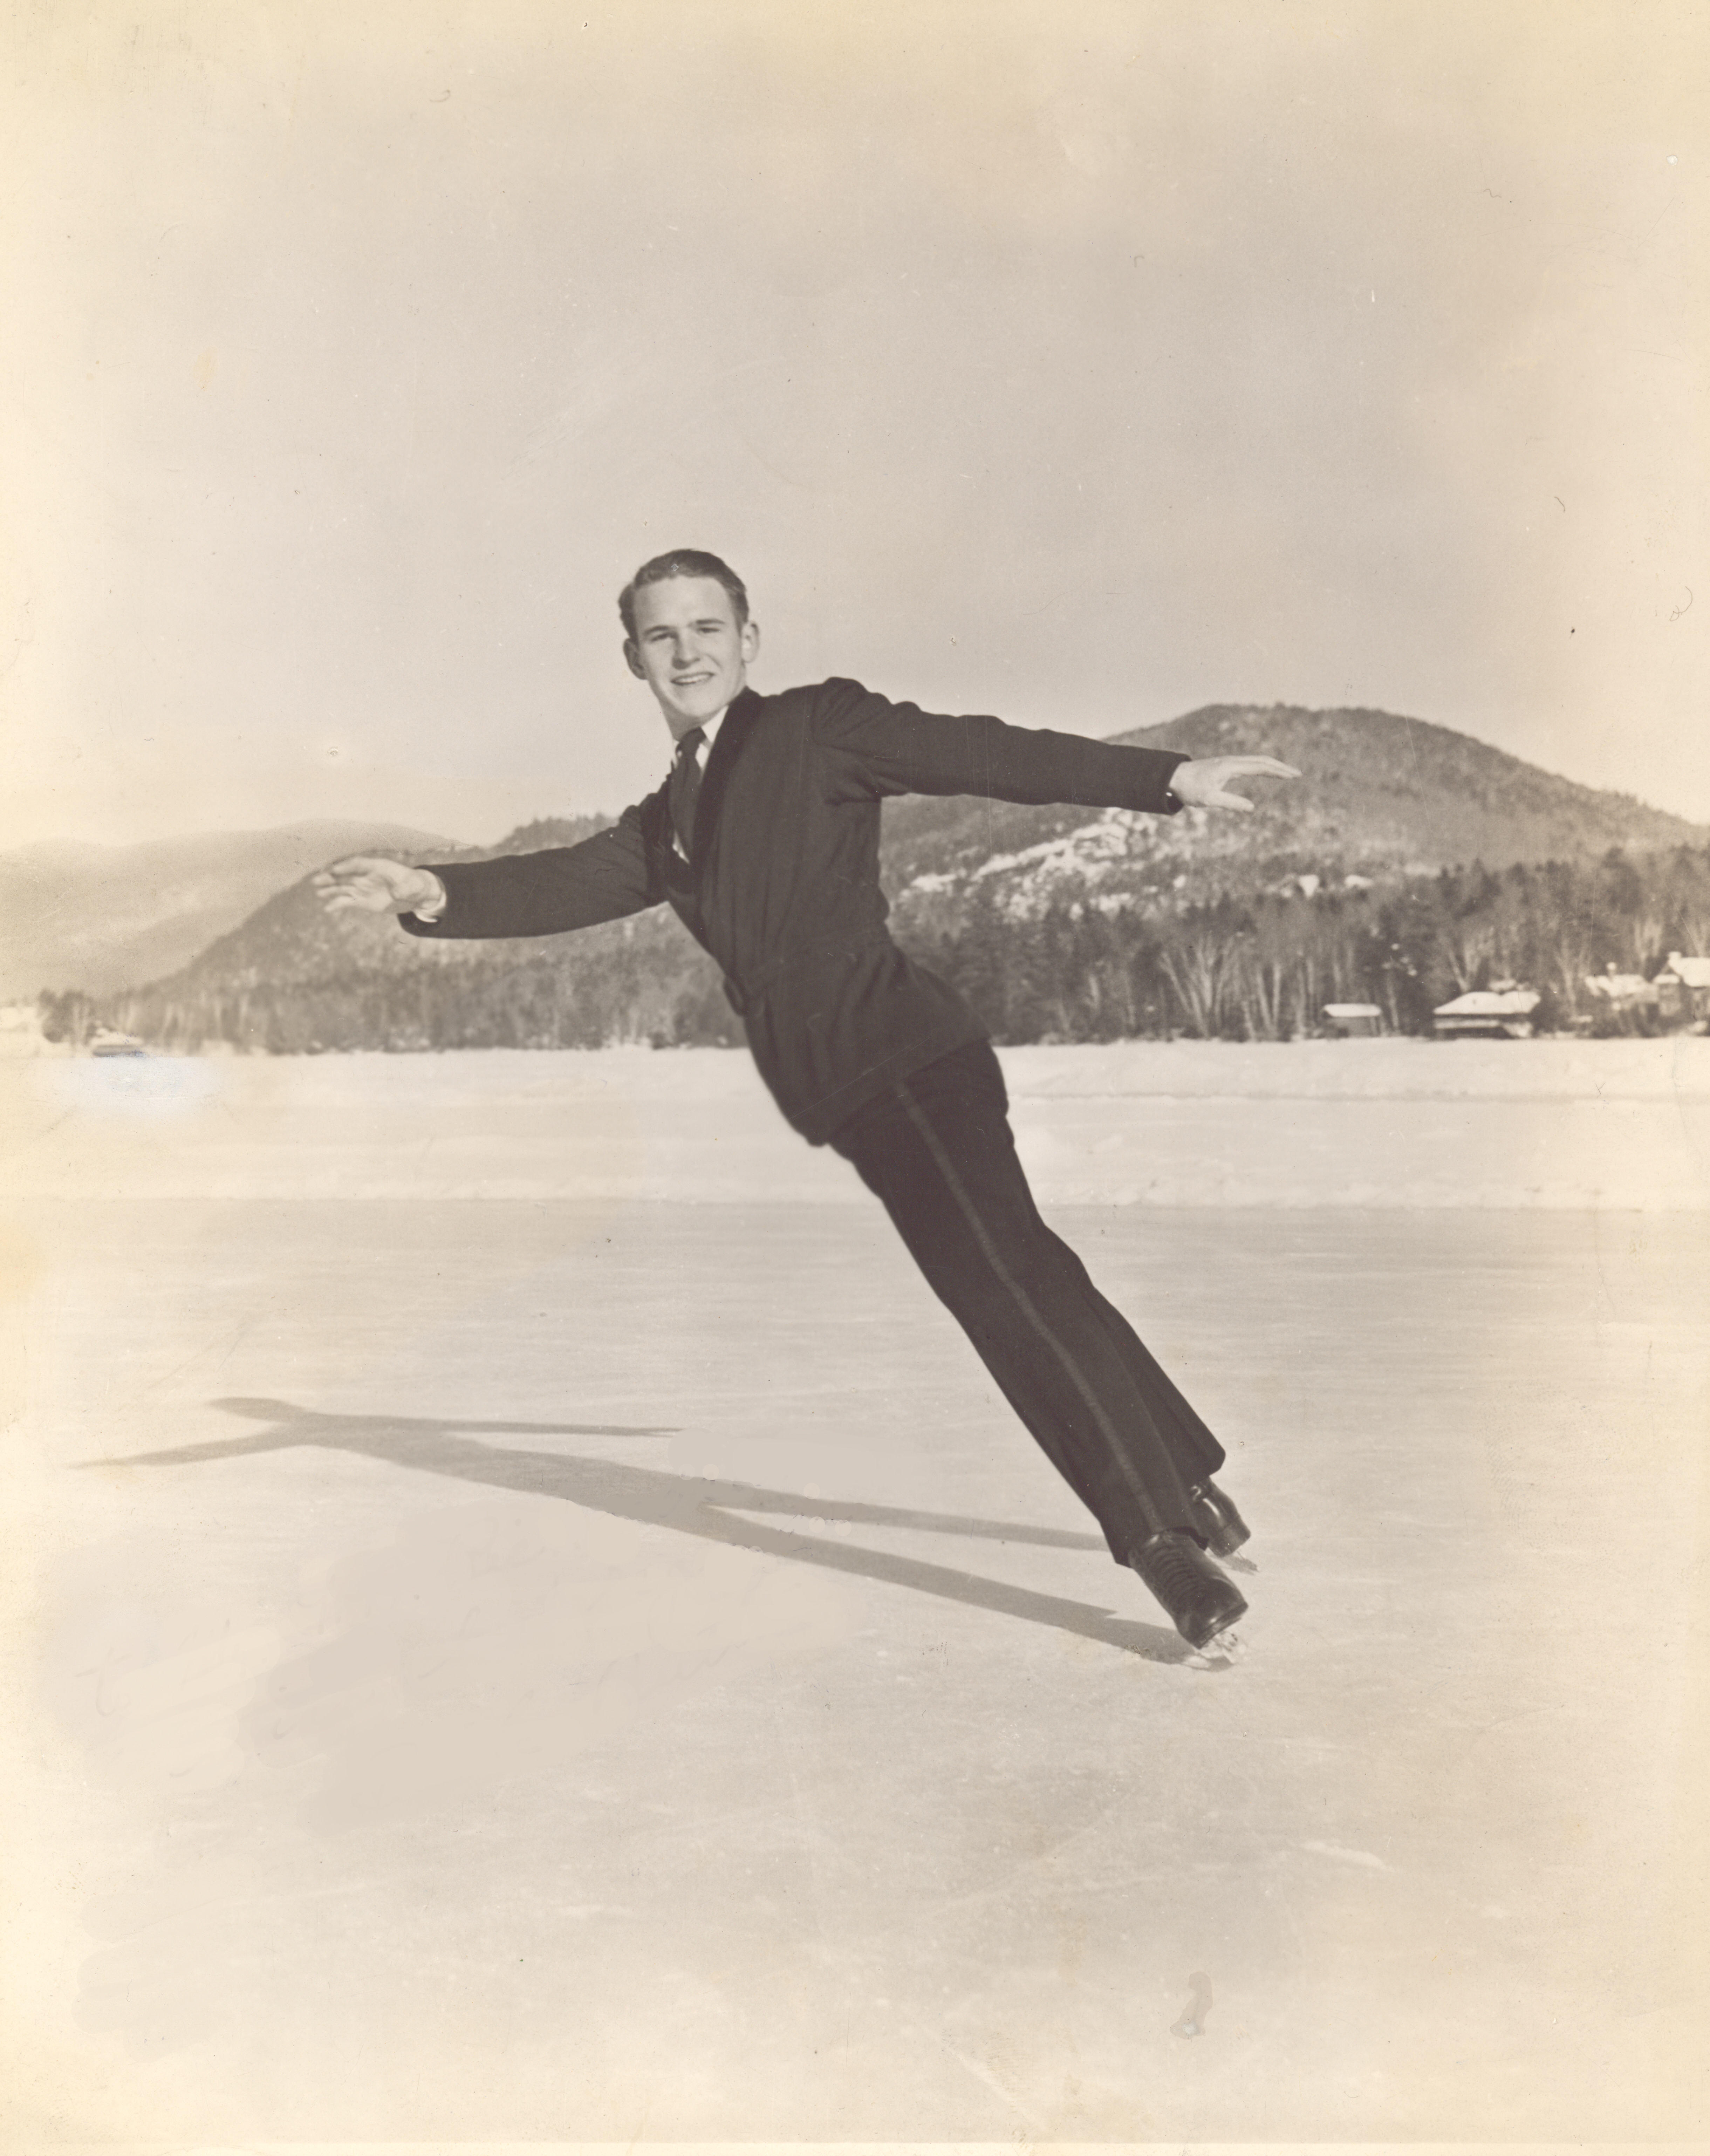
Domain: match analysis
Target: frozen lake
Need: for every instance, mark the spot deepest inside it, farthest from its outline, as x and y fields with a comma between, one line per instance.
x=1620, y=1124
x=497, y=1655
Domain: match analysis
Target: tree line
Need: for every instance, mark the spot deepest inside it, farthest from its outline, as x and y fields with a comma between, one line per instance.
x=1263, y=967
x=1255, y=968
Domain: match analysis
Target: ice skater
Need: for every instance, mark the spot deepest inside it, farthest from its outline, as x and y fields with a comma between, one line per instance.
x=764, y=840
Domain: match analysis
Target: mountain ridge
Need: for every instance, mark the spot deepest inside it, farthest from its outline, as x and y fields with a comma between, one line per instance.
x=1059, y=920
x=100, y=918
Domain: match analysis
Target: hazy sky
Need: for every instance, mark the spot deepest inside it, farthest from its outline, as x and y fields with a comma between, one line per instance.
x=1079, y=361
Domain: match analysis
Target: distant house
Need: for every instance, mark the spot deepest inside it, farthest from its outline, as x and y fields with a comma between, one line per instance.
x=1620, y=995
x=1683, y=990
x=1354, y=1021
x=1491, y=1014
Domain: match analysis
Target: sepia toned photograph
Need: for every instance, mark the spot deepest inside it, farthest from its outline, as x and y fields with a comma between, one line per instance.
x=855, y=1074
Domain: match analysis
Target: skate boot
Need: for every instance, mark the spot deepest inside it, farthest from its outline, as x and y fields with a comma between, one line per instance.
x=1214, y=1515
x=1201, y=1601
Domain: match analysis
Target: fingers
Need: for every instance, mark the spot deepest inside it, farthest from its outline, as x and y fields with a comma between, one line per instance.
x=350, y=867
x=1219, y=770
x=360, y=883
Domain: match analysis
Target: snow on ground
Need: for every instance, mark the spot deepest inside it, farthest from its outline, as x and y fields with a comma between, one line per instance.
x=1620, y=1123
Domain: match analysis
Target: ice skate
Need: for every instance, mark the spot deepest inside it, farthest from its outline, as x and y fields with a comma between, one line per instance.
x=1214, y=1515
x=1202, y=1602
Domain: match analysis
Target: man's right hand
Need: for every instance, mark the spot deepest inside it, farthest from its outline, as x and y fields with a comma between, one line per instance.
x=365, y=883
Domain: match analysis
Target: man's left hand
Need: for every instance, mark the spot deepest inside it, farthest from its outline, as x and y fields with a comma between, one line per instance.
x=1203, y=783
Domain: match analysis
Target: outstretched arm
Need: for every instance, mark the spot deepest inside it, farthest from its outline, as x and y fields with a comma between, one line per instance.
x=881, y=748
x=878, y=748
x=543, y=894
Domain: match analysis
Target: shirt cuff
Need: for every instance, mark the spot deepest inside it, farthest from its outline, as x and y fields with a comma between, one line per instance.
x=434, y=909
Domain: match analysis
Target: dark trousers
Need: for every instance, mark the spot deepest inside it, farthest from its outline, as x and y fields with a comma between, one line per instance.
x=938, y=1152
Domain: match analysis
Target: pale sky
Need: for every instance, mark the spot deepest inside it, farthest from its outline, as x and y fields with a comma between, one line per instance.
x=1079, y=361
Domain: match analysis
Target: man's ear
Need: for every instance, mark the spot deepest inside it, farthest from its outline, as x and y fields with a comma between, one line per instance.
x=751, y=642
x=632, y=658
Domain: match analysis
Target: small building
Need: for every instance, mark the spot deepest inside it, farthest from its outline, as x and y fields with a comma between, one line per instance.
x=1354, y=1021
x=106, y=1041
x=1683, y=990
x=1488, y=1014
x=1620, y=995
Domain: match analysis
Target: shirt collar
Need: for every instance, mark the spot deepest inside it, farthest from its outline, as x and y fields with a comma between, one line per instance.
x=709, y=727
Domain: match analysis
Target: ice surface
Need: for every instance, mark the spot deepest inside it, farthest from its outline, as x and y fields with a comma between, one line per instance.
x=495, y=1654
x=1622, y=1124
x=525, y=1671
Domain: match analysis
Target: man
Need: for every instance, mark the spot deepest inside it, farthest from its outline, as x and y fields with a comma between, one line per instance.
x=764, y=840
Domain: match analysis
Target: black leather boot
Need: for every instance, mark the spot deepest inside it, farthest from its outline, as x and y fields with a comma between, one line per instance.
x=1201, y=1601
x=1214, y=1515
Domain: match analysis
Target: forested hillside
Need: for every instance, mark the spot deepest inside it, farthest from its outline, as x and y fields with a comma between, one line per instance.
x=1410, y=863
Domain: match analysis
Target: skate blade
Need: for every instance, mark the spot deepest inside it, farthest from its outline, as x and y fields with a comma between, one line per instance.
x=1223, y=1652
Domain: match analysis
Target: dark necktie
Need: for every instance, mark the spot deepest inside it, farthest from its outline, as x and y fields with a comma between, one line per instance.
x=685, y=788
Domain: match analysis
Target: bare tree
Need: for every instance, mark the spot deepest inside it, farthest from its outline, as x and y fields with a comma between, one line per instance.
x=1649, y=932
x=1570, y=958
x=1264, y=980
x=1263, y=963
x=1198, y=969
x=1467, y=948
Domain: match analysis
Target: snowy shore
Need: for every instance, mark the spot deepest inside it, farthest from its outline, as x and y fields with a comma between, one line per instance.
x=1620, y=1124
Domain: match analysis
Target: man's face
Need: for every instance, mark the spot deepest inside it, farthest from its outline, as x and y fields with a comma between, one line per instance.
x=690, y=649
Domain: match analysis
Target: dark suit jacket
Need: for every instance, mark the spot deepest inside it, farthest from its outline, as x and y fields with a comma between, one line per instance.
x=784, y=890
